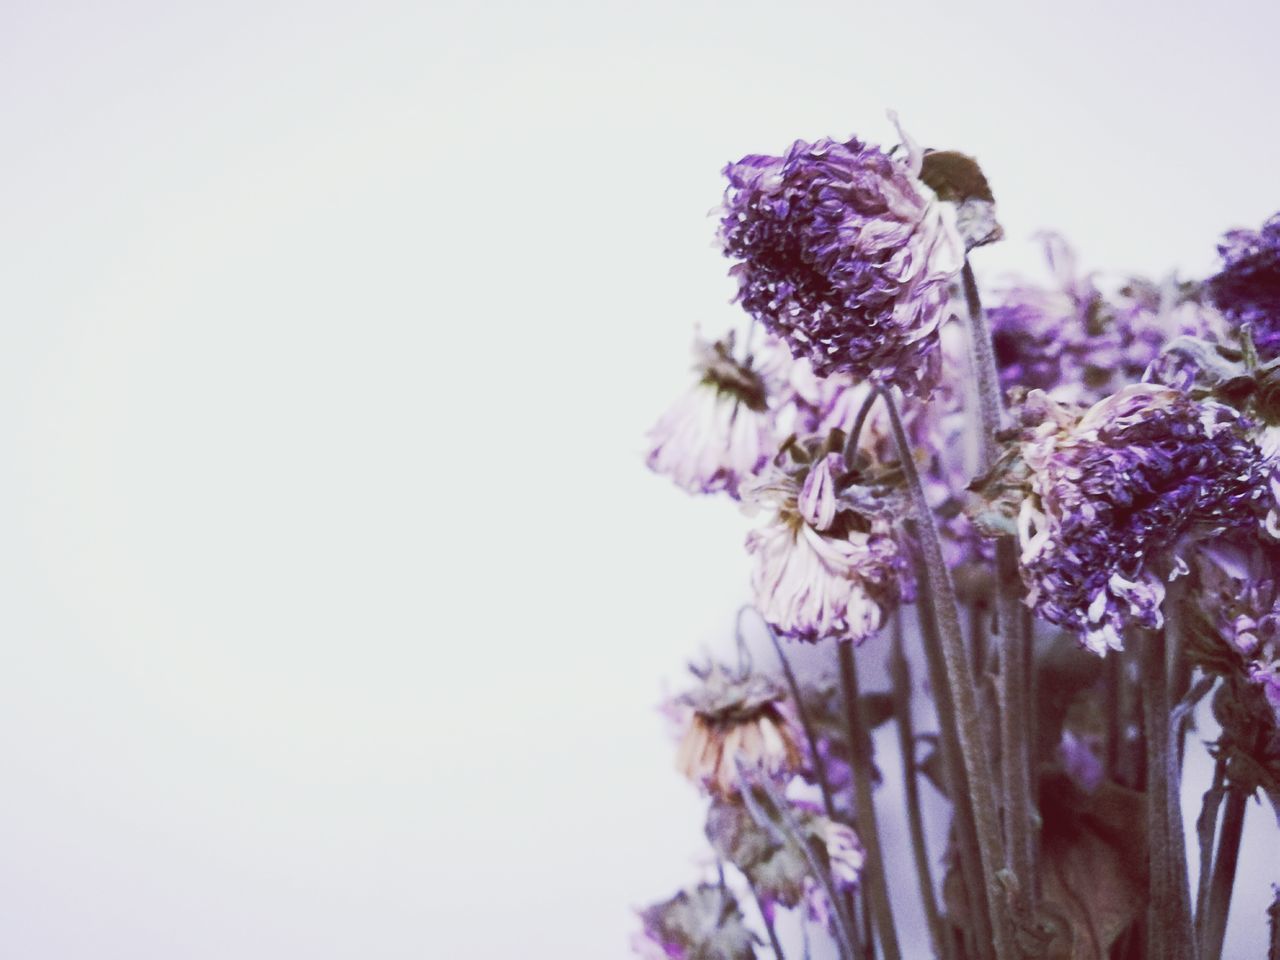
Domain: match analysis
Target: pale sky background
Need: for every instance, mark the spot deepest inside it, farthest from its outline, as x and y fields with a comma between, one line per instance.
x=336, y=601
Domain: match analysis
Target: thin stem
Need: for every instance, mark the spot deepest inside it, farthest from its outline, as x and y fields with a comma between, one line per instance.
x=844, y=939
x=864, y=804
x=1014, y=641
x=900, y=678
x=977, y=931
x=1166, y=938
x=1224, y=872
x=855, y=432
x=819, y=765
x=1273, y=917
x=767, y=919
x=959, y=676
x=1206, y=828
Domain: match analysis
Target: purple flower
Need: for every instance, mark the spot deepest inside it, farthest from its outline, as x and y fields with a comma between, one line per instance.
x=826, y=561
x=1079, y=344
x=701, y=923
x=1247, y=289
x=720, y=431
x=845, y=254
x=1114, y=495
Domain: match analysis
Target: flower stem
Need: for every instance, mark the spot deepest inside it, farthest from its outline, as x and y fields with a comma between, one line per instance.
x=844, y=939
x=1015, y=641
x=864, y=804
x=806, y=724
x=1224, y=872
x=958, y=676
x=900, y=677
x=767, y=920
x=1206, y=828
x=1273, y=916
x=855, y=431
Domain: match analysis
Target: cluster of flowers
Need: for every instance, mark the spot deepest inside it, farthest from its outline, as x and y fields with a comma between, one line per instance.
x=1140, y=450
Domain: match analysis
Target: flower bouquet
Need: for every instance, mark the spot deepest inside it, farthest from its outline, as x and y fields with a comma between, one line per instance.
x=1055, y=515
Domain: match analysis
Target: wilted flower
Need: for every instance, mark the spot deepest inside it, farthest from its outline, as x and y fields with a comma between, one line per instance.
x=1114, y=494
x=845, y=254
x=720, y=431
x=732, y=717
x=779, y=871
x=826, y=562
x=1078, y=343
x=1247, y=290
x=701, y=923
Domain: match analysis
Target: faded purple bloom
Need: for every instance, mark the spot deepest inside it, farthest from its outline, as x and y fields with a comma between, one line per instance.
x=1247, y=289
x=1115, y=493
x=735, y=717
x=721, y=430
x=845, y=254
x=1078, y=343
x=826, y=562
x=1238, y=601
x=701, y=923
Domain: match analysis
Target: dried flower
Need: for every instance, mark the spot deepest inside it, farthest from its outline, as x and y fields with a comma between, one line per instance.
x=826, y=562
x=721, y=430
x=1116, y=492
x=701, y=923
x=845, y=254
x=1078, y=343
x=1247, y=289
x=735, y=716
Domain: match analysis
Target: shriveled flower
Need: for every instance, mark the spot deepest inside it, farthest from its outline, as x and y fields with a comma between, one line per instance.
x=718, y=433
x=701, y=923
x=845, y=254
x=826, y=562
x=1247, y=289
x=1236, y=614
x=732, y=717
x=1078, y=342
x=1114, y=496
x=748, y=836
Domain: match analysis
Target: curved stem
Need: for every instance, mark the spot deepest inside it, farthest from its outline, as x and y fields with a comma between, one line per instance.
x=767, y=920
x=819, y=765
x=855, y=432
x=864, y=804
x=959, y=678
x=844, y=938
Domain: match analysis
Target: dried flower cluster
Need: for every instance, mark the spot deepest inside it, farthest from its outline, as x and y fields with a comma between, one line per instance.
x=1084, y=472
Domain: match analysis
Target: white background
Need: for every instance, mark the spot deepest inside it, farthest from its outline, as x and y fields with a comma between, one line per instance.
x=335, y=599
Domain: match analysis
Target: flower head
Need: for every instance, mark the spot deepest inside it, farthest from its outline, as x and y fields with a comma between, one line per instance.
x=1247, y=289
x=720, y=432
x=701, y=923
x=731, y=717
x=826, y=562
x=845, y=254
x=1078, y=343
x=1113, y=494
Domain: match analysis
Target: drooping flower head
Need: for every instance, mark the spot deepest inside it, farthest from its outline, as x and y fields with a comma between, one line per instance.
x=845, y=254
x=701, y=923
x=721, y=430
x=745, y=835
x=1116, y=494
x=1247, y=289
x=735, y=719
x=826, y=561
